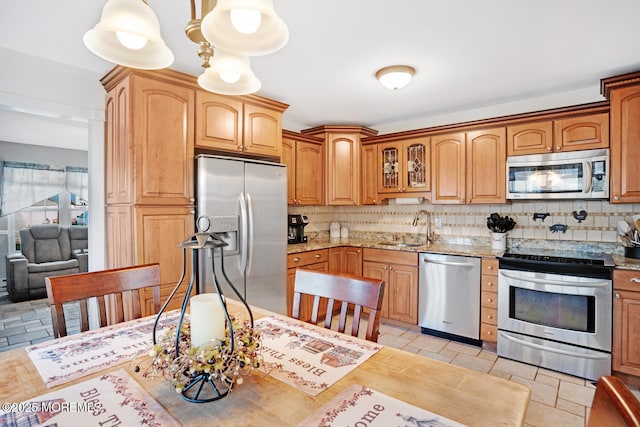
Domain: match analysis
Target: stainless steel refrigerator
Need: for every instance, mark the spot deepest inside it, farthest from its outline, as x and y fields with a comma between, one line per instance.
x=246, y=202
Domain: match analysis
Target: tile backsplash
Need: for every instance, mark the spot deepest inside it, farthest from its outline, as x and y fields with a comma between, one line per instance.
x=466, y=224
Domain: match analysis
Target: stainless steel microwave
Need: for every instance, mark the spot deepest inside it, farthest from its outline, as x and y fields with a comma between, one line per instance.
x=571, y=175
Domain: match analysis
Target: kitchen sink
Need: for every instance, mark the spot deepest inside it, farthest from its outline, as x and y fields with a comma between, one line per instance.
x=401, y=244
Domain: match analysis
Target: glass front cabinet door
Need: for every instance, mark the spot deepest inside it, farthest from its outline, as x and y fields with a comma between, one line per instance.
x=404, y=166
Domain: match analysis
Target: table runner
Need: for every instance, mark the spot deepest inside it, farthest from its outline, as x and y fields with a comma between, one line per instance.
x=108, y=400
x=65, y=359
x=307, y=357
x=359, y=405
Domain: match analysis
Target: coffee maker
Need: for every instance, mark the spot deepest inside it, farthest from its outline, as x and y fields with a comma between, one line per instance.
x=296, y=228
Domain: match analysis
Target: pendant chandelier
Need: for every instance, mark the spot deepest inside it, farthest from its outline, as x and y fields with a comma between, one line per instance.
x=228, y=32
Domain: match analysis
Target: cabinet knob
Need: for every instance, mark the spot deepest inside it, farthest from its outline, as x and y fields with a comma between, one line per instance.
x=375, y=201
x=192, y=212
x=192, y=200
x=489, y=316
x=617, y=296
x=296, y=260
x=558, y=148
x=358, y=250
x=490, y=267
x=616, y=198
x=489, y=299
x=318, y=256
x=490, y=284
x=489, y=333
x=548, y=148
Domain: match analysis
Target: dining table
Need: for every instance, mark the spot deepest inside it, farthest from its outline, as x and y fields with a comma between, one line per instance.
x=463, y=395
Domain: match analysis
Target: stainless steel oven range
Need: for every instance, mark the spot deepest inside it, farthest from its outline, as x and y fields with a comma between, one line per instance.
x=554, y=311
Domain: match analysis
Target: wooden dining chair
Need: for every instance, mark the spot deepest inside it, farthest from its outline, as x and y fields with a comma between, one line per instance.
x=614, y=405
x=352, y=291
x=117, y=292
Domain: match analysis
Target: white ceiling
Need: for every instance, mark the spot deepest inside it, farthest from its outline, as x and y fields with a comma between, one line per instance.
x=469, y=54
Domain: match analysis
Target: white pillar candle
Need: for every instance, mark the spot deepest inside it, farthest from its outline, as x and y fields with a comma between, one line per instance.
x=207, y=319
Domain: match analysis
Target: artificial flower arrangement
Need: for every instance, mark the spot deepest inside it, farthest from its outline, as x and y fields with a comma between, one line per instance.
x=215, y=359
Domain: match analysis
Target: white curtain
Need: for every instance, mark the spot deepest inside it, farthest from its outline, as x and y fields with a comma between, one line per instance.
x=78, y=182
x=24, y=184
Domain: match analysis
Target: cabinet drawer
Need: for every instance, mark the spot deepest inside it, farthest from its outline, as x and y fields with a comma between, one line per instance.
x=488, y=332
x=306, y=258
x=489, y=315
x=626, y=280
x=489, y=283
x=489, y=299
x=389, y=256
x=490, y=267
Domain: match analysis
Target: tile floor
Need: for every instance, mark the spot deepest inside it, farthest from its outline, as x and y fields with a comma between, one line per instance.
x=556, y=399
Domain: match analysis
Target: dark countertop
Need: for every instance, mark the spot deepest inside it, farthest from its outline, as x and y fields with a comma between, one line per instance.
x=483, y=251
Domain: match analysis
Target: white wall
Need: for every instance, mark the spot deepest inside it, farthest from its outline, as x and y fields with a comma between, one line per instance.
x=53, y=105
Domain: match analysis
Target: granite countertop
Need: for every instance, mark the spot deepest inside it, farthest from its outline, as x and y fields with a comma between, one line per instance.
x=483, y=251
x=469, y=250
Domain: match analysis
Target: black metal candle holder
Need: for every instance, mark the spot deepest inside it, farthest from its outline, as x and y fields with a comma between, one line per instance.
x=201, y=387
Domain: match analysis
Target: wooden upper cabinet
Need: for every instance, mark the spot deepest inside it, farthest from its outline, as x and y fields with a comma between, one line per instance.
x=343, y=156
x=581, y=133
x=404, y=167
x=448, y=162
x=262, y=131
x=232, y=124
x=149, y=140
x=530, y=138
x=304, y=157
x=163, y=122
x=288, y=158
x=218, y=122
x=486, y=166
x=563, y=134
x=342, y=161
x=369, y=175
x=118, y=146
x=625, y=144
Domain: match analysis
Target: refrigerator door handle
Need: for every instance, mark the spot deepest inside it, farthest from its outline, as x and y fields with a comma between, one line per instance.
x=244, y=235
x=251, y=237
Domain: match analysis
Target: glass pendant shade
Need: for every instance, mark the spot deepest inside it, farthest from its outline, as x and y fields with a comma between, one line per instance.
x=229, y=74
x=396, y=76
x=129, y=34
x=219, y=29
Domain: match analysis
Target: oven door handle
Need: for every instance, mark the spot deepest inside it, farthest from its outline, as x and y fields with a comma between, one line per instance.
x=505, y=335
x=601, y=284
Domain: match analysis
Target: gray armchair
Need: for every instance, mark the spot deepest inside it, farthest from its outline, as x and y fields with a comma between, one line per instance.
x=47, y=250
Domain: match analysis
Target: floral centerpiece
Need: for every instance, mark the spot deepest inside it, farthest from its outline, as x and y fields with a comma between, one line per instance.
x=218, y=362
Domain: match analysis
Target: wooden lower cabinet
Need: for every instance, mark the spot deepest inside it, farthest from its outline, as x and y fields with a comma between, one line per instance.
x=626, y=322
x=313, y=260
x=346, y=259
x=399, y=270
x=148, y=234
x=489, y=301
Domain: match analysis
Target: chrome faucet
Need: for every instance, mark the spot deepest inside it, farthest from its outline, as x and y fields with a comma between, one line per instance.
x=416, y=217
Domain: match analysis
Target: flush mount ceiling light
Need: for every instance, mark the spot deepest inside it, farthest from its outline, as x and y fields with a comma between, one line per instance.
x=129, y=34
x=396, y=76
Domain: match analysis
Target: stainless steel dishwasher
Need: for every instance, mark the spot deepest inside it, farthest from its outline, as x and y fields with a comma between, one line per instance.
x=449, y=296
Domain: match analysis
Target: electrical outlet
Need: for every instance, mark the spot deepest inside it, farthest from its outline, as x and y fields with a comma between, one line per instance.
x=438, y=223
